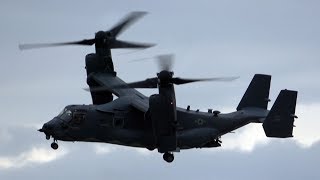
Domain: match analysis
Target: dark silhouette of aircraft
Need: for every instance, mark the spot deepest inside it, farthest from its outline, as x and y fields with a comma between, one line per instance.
x=155, y=122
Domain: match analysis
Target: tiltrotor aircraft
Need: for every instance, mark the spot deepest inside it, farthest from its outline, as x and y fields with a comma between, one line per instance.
x=155, y=122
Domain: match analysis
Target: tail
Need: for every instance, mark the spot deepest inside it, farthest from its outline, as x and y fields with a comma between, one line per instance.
x=257, y=94
x=279, y=121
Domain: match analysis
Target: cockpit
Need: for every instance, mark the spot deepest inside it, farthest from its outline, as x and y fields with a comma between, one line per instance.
x=65, y=114
x=73, y=116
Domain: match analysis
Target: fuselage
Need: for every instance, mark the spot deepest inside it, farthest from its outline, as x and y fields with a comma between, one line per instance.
x=118, y=122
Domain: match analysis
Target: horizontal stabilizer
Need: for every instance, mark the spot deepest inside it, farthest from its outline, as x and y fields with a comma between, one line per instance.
x=279, y=122
x=257, y=94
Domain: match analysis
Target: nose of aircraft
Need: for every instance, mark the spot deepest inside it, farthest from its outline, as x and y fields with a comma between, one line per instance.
x=46, y=127
x=50, y=128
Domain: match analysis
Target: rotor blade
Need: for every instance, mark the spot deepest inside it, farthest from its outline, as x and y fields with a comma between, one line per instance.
x=179, y=81
x=96, y=89
x=88, y=42
x=165, y=62
x=125, y=44
x=148, y=83
x=128, y=20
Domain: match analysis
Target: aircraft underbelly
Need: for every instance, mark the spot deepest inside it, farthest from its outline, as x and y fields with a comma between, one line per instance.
x=127, y=137
x=196, y=138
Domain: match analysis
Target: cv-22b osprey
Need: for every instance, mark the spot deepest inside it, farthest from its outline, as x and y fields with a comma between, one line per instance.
x=155, y=122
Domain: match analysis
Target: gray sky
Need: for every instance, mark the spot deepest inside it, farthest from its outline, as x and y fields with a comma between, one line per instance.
x=209, y=38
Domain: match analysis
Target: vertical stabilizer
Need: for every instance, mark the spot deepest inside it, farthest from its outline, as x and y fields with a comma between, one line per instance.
x=279, y=122
x=257, y=94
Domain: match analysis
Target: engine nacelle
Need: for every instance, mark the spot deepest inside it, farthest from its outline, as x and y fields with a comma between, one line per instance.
x=163, y=117
x=95, y=63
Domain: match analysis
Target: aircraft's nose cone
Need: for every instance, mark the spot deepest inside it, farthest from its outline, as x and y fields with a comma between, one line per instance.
x=46, y=128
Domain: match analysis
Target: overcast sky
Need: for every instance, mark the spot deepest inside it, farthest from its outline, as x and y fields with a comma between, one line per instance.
x=209, y=38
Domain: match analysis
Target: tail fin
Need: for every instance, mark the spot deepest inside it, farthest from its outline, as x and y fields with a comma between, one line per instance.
x=257, y=94
x=279, y=122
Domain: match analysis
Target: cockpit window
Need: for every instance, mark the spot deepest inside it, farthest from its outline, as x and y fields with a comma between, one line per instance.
x=65, y=115
x=62, y=112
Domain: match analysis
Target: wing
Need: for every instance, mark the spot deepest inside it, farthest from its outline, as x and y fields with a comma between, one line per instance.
x=110, y=82
x=123, y=103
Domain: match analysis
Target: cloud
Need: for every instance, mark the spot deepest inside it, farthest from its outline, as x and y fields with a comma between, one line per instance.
x=306, y=131
x=101, y=149
x=144, y=152
x=245, y=139
x=4, y=135
x=274, y=161
x=34, y=156
x=104, y=148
